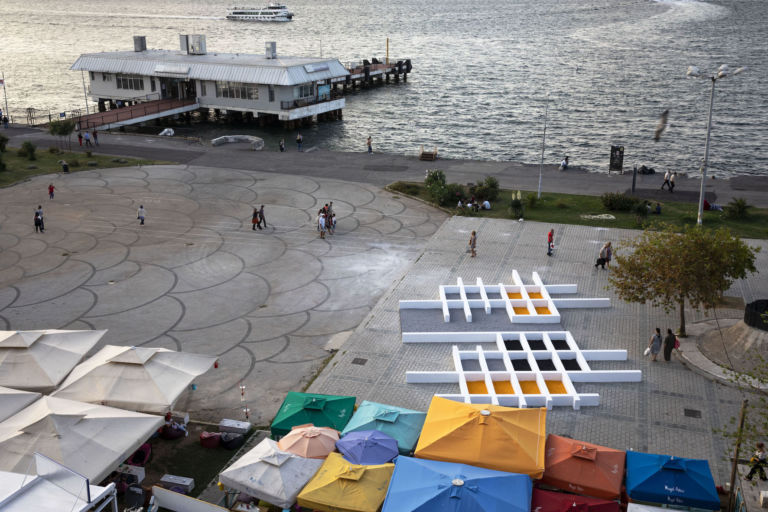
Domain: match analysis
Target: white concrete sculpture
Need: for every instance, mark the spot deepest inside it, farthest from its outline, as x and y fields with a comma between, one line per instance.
x=523, y=303
x=527, y=369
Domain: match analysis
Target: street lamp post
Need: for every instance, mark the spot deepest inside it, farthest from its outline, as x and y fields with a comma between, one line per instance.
x=543, y=141
x=722, y=72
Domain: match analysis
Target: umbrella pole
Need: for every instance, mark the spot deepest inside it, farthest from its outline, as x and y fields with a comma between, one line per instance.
x=735, y=464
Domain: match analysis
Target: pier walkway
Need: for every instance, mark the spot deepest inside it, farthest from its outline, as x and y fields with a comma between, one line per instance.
x=134, y=114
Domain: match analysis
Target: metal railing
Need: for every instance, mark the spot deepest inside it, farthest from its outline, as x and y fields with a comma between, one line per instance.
x=132, y=112
x=305, y=102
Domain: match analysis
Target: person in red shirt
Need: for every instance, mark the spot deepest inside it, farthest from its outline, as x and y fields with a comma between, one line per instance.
x=550, y=242
x=51, y=188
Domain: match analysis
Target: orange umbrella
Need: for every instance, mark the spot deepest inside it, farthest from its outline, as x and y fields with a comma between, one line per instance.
x=489, y=436
x=310, y=441
x=584, y=468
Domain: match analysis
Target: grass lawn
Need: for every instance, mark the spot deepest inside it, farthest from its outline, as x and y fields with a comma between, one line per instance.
x=17, y=168
x=576, y=209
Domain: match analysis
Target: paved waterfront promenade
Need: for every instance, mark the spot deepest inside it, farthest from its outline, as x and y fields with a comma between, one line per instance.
x=382, y=169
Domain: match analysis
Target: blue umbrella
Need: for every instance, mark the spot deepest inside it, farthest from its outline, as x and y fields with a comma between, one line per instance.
x=422, y=485
x=669, y=480
x=402, y=424
x=367, y=447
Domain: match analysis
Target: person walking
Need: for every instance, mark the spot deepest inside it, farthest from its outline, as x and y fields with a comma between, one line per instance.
x=39, y=213
x=672, y=181
x=80, y=138
x=95, y=137
x=282, y=145
x=299, y=141
x=333, y=223
x=666, y=180
x=550, y=242
x=255, y=219
x=38, y=223
x=607, y=253
x=473, y=244
x=654, y=344
x=141, y=214
x=757, y=462
x=604, y=256
x=5, y=122
x=51, y=188
x=87, y=137
x=370, y=147
x=669, y=344
x=262, y=219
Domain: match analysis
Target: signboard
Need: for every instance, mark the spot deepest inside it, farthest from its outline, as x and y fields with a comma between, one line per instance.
x=617, y=158
x=324, y=92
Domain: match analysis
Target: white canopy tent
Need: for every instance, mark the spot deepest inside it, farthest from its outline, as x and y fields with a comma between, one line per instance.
x=39, y=360
x=268, y=473
x=53, y=488
x=135, y=378
x=89, y=439
x=14, y=400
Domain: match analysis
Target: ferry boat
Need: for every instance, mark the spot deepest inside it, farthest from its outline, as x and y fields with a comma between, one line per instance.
x=272, y=12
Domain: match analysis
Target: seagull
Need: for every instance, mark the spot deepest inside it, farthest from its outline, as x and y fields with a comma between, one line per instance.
x=661, y=126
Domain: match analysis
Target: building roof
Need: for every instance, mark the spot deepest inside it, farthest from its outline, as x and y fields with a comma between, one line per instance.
x=225, y=67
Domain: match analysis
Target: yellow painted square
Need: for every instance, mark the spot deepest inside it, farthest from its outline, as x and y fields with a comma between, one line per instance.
x=556, y=387
x=520, y=310
x=542, y=310
x=503, y=387
x=535, y=295
x=529, y=387
x=477, y=387
x=515, y=295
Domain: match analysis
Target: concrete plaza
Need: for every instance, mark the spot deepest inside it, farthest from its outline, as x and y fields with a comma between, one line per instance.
x=197, y=278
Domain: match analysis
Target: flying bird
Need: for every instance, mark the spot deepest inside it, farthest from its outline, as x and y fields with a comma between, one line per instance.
x=661, y=126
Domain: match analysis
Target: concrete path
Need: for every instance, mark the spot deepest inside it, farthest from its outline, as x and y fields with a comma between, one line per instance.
x=382, y=169
x=673, y=410
x=197, y=278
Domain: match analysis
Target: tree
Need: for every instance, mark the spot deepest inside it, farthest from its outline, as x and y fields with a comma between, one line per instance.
x=668, y=268
x=62, y=129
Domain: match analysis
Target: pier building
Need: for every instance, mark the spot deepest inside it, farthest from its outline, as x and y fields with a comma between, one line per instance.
x=137, y=86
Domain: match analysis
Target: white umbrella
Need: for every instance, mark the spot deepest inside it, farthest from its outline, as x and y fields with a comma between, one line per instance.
x=14, y=400
x=270, y=474
x=39, y=360
x=140, y=379
x=89, y=439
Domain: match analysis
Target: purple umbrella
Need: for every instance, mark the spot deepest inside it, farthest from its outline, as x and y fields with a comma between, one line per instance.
x=367, y=447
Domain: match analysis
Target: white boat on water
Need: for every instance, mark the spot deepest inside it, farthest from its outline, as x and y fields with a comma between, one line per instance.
x=272, y=12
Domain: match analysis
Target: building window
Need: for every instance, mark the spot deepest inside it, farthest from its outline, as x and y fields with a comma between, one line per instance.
x=130, y=82
x=152, y=85
x=303, y=91
x=203, y=91
x=93, y=77
x=237, y=90
x=271, y=89
x=106, y=77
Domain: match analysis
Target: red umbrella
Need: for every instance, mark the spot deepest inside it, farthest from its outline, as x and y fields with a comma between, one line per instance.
x=583, y=468
x=550, y=501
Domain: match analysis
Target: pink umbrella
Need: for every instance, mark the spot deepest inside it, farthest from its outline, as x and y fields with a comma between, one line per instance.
x=310, y=441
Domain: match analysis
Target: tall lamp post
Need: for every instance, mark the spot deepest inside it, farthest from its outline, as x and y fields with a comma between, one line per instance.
x=543, y=141
x=722, y=72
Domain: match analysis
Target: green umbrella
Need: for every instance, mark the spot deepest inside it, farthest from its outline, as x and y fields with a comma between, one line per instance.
x=320, y=410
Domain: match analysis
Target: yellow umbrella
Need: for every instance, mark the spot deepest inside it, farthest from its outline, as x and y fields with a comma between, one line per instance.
x=310, y=441
x=489, y=436
x=339, y=486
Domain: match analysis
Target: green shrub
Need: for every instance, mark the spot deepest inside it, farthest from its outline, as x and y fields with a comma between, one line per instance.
x=53, y=150
x=434, y=177
x=88, y=154
x=2, y=164
x=27, y=150
x=455, y=191
x=531, y=200
x=736, y=209
x=486, y=189
x=411, y=189
x=616, y=201
x=74, y=163
x=3, y=143
x=641, y=210
x=561, y=204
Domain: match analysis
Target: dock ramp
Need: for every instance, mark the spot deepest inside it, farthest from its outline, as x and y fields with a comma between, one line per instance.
x=139, y=113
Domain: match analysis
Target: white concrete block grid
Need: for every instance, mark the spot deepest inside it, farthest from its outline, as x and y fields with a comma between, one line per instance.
x=539, y=368
x=527, y=369
x=523, y=303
